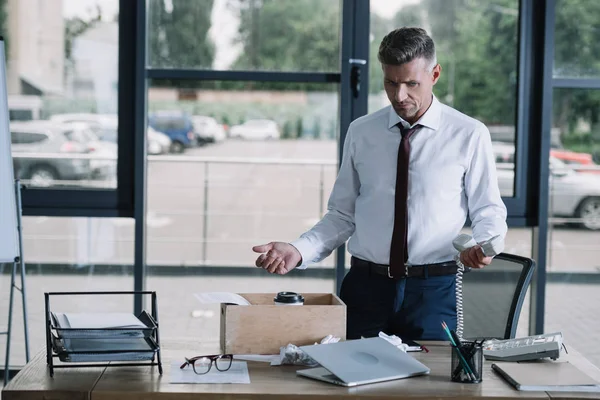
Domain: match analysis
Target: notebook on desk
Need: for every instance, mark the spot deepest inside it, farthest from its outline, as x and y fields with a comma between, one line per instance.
x=546, y=376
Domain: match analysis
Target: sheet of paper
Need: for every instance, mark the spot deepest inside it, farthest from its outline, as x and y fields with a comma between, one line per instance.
x=221, y=297
x=238, y=373
x=103, y=320
x=258, y=357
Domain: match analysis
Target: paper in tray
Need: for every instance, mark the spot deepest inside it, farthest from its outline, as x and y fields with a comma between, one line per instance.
x=110, y=349
x=100, y=325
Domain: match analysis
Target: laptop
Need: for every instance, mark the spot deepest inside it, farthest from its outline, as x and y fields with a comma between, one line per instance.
x=360, y=361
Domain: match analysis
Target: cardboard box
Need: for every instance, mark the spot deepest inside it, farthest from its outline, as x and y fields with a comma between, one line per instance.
x=262, y=327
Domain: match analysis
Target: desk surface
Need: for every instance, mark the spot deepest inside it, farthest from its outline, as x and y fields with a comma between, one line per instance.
x=137, y=383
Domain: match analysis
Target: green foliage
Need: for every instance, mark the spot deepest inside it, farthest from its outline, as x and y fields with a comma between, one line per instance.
x=299, y=35
x=299, y=128
x=3, y=24
x=317, y=129
x=477, y=46
x=178, y=35
x=286, y=132
x=77, y=26
x=576, y=54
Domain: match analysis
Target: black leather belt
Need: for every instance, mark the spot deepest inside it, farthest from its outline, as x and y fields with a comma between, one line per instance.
x=411, y=271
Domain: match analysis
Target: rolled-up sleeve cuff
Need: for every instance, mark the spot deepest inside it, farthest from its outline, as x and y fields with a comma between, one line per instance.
x=306, y=250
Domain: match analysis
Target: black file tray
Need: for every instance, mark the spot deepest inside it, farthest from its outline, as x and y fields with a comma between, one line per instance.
x=75, y=347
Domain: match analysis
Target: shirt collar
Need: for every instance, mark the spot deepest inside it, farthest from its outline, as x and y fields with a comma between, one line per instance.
x=430, y=119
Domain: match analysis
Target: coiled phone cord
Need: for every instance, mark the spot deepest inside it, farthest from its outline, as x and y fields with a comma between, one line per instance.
x=459, y=298
x=462, y=242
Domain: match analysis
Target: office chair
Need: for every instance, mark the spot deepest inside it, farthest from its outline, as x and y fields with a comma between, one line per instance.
x=493, y=297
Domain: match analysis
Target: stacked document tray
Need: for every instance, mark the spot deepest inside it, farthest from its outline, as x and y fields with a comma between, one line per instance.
x=102, y=337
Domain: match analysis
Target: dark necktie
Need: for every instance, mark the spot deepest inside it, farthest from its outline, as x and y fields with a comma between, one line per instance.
x=399, y=247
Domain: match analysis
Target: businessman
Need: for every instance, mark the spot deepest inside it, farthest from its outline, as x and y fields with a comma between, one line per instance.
x=410, y=175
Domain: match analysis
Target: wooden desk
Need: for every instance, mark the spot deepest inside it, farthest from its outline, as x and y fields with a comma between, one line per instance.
x=137, y=383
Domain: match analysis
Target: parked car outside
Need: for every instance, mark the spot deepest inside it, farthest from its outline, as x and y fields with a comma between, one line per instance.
x=103, y=153
x=177, y=126
x=208, y=129
x=572, y=194
x=575, y=159
x=504, y=152
x=48, y=138
x=105, y=127
x=256, y=129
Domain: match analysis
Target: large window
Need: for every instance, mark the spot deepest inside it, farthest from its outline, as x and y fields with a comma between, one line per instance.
x=256, y=163
x=62, y=77
x=248, y=94
x=476, y=45
x=574, y=203
x=574, y=218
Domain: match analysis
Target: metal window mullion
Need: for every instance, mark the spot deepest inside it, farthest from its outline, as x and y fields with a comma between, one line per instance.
x=541, y=17
x=355, y=45
x=256, y=76
x=576, y=83
x=140, y=156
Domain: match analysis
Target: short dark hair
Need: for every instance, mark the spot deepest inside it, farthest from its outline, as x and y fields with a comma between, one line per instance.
x=405, y=44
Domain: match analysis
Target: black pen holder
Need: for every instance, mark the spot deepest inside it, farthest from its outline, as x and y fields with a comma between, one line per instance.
x=467, y=363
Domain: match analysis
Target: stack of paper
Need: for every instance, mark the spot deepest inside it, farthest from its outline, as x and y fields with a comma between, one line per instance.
x=98, y=321
x=87, y=337
x=90, y=350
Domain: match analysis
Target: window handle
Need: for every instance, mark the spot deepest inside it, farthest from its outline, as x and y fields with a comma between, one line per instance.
x=355, y=72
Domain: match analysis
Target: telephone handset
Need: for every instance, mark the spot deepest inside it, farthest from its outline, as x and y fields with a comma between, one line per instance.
x=491, y=247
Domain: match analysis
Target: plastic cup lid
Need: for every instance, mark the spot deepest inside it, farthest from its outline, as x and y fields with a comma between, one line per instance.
x=289, y=297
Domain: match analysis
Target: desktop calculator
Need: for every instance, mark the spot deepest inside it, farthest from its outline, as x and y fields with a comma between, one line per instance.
x=522, y=349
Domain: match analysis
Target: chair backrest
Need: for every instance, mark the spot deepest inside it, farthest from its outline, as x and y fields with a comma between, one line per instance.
x=493, y=297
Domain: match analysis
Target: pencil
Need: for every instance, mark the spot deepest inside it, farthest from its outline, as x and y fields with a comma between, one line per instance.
x=466, y=367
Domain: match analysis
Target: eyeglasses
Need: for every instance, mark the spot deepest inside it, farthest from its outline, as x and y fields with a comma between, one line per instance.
x=202, y=364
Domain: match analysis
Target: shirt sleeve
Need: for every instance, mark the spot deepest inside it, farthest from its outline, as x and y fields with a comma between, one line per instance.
x=338, y=224
x=486, y=208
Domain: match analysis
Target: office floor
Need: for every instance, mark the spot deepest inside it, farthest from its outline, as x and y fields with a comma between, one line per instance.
x=571, y=308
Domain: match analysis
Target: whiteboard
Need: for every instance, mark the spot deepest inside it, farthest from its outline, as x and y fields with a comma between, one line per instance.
x=9, y=245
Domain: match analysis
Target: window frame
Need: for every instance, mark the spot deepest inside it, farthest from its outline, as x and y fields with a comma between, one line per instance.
x=116, y=202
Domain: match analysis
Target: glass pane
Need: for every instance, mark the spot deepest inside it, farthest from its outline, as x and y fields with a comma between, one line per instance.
x=573, y=251
x=575, y=181
x=476, y=43
x=62, y=79
x=576, y=44
x=257, y=162
x=272, y=35
x=67, y=254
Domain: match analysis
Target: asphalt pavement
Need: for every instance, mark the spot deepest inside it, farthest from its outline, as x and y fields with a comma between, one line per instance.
x=257, y=192
x=210, y=205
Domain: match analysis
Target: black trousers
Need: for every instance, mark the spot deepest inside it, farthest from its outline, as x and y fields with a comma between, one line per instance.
x=412, y=308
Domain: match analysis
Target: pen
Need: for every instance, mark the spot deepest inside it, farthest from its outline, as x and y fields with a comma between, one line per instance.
x=466, y=366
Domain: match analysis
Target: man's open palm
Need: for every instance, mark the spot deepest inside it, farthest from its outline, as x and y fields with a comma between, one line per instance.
x=277, y=257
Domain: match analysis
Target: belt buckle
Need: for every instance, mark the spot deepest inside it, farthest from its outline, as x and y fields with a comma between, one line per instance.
x=405, y=271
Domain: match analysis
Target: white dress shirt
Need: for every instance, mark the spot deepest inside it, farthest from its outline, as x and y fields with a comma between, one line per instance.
x=452, y=174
